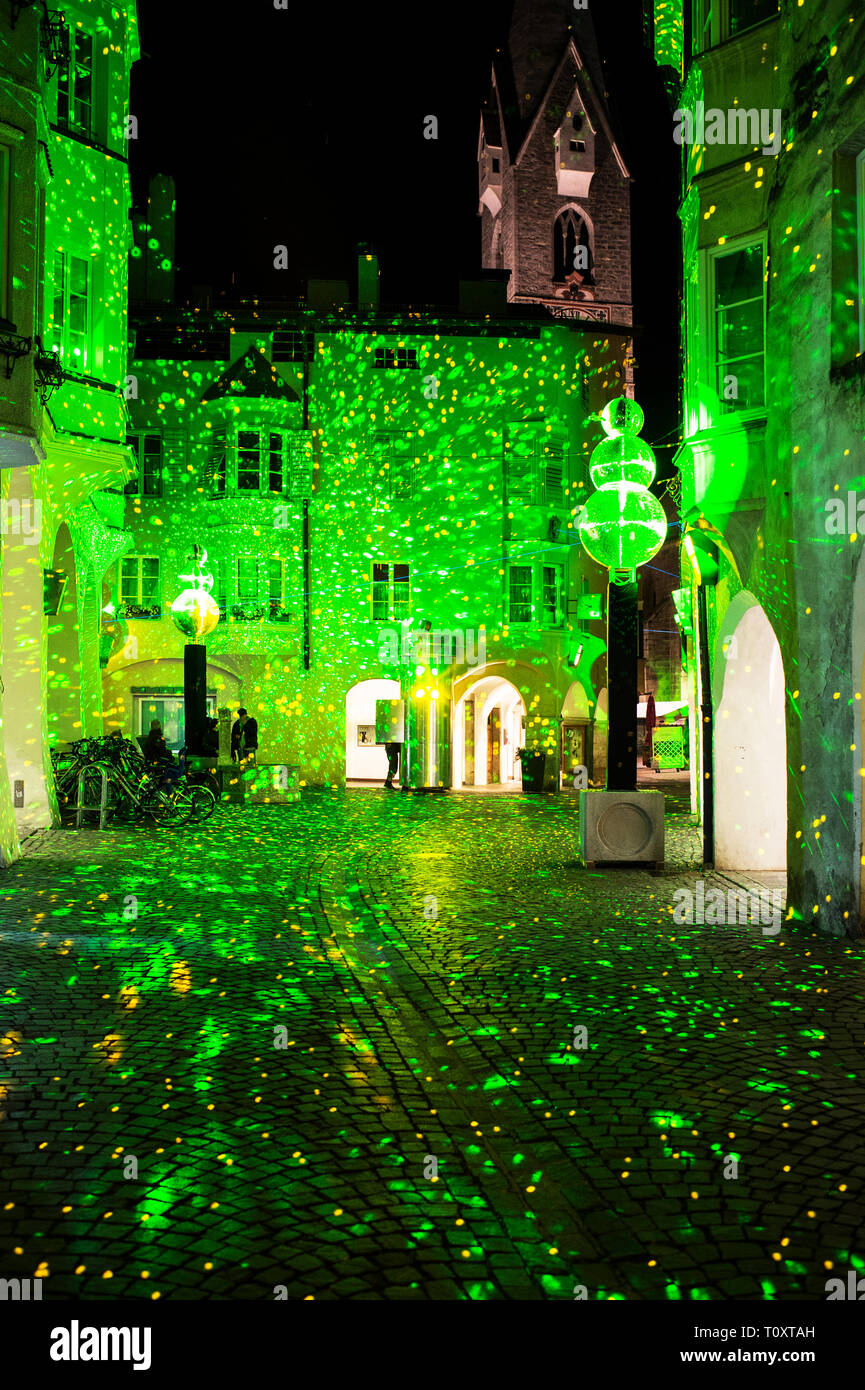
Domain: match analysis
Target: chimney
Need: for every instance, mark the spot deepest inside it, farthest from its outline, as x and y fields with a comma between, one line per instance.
x=367, y=278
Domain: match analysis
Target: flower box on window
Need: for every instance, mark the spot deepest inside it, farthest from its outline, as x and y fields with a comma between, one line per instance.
x=134, y=610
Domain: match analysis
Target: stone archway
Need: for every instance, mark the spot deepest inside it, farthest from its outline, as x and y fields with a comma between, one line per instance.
x=366, y=761
x=488, y=731
x=750, y=742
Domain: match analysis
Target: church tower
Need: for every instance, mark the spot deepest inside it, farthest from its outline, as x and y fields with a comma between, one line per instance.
x=554, y=189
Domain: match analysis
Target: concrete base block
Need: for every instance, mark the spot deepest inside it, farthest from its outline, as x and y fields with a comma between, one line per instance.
x=622, y=827
x=266, y=784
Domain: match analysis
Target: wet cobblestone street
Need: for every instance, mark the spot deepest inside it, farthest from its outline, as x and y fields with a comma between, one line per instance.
x=330, y=1049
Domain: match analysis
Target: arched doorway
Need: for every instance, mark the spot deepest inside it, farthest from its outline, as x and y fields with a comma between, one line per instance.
x=577, y=733
x=365, y=760
x=64, y=660
x=488, y=732
x=750, y=742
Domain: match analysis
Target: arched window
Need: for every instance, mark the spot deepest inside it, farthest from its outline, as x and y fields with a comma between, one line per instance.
x=570, y=232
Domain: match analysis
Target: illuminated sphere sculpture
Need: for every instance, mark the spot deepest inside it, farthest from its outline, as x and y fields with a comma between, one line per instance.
x=194, y=611
x=623, y=524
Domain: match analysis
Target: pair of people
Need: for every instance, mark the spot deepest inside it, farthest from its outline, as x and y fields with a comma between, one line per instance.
x=244, y=738
x=158, y=756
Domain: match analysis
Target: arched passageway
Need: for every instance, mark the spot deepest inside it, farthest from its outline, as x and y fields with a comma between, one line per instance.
x=750, y=742
x=488, y=731
x=365, y=760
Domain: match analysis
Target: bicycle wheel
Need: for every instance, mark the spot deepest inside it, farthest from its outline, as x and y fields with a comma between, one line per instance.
x=162, y=808
x=203, y=802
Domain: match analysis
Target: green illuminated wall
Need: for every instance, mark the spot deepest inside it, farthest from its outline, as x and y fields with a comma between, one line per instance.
x=469, y=397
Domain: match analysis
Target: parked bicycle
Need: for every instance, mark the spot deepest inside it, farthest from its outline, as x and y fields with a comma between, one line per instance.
x=134, y=790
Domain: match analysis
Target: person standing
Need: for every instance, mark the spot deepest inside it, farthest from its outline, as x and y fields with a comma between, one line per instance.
x=393, y=751
x=248, y=743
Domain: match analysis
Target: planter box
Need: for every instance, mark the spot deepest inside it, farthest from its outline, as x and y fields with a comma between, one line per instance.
x=622, y=827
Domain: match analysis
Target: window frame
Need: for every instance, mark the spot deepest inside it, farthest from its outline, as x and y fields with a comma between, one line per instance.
x=137, y=487
x=61, y=341
x=139, y=561
x=227, y=453
x=67, y=92
x=394, y=467
x=536, y=602
x=711, y=22
x=396, y=587
x=711, y=357
x=537, y=491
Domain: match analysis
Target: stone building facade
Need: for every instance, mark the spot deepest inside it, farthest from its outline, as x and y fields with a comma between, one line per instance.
x=64, y=197
x=554, y=191
x=773, y=219
x=353, y=473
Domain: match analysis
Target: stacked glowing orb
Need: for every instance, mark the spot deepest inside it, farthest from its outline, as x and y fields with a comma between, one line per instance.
x=623, y=524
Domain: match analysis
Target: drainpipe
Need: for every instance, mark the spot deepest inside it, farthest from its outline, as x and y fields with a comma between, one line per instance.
x=307, y=565
x=708, y=789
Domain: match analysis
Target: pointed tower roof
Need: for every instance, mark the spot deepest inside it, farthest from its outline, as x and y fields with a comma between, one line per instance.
x=251, y=377
x=539, y=31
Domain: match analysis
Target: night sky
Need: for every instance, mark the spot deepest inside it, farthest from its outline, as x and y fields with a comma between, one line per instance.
x=305, y=127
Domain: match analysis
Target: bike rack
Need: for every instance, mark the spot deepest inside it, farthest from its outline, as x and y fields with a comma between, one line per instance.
x=81, y=808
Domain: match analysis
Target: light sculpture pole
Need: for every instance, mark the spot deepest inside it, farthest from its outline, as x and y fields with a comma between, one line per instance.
x=195, y=613
x=622, y=526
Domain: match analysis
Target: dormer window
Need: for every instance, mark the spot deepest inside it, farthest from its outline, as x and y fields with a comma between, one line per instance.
x=575, y=152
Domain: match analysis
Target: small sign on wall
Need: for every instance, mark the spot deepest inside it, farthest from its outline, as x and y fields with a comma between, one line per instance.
x=366, y=735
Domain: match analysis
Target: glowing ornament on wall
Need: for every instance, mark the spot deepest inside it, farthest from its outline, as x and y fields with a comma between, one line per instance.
x=194, y=611
x=623, y=524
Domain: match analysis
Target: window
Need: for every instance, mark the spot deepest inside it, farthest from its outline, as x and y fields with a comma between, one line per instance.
x=744, y=14
x=258, y=461
x=248, y=461
x=551, y=595
x=496, y=165
x=395, y=359
x=391, y=596
x=520, y=594
x=218, y=450
x=739, y=320
x=247, y=585
x=220, y=596
x=553, y=463
x=536, y=594
x=393, y=466
x=4, y=231
x=277, y=589
x=717, y=20
x=535, y=467
x=291, y=346
x=275, y=463
x=139, y=587
x=75, y=86
x=572, y=252
x=71, y=321
x=147, y=449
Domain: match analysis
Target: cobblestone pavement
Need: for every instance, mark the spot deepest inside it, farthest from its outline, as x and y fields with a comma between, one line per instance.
x=433, y=1127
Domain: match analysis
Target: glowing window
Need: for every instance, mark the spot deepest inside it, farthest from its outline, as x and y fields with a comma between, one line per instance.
x=71, y=325
x=147, y=449
x=740, y=327
x=75, y=86
x=139, y=587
